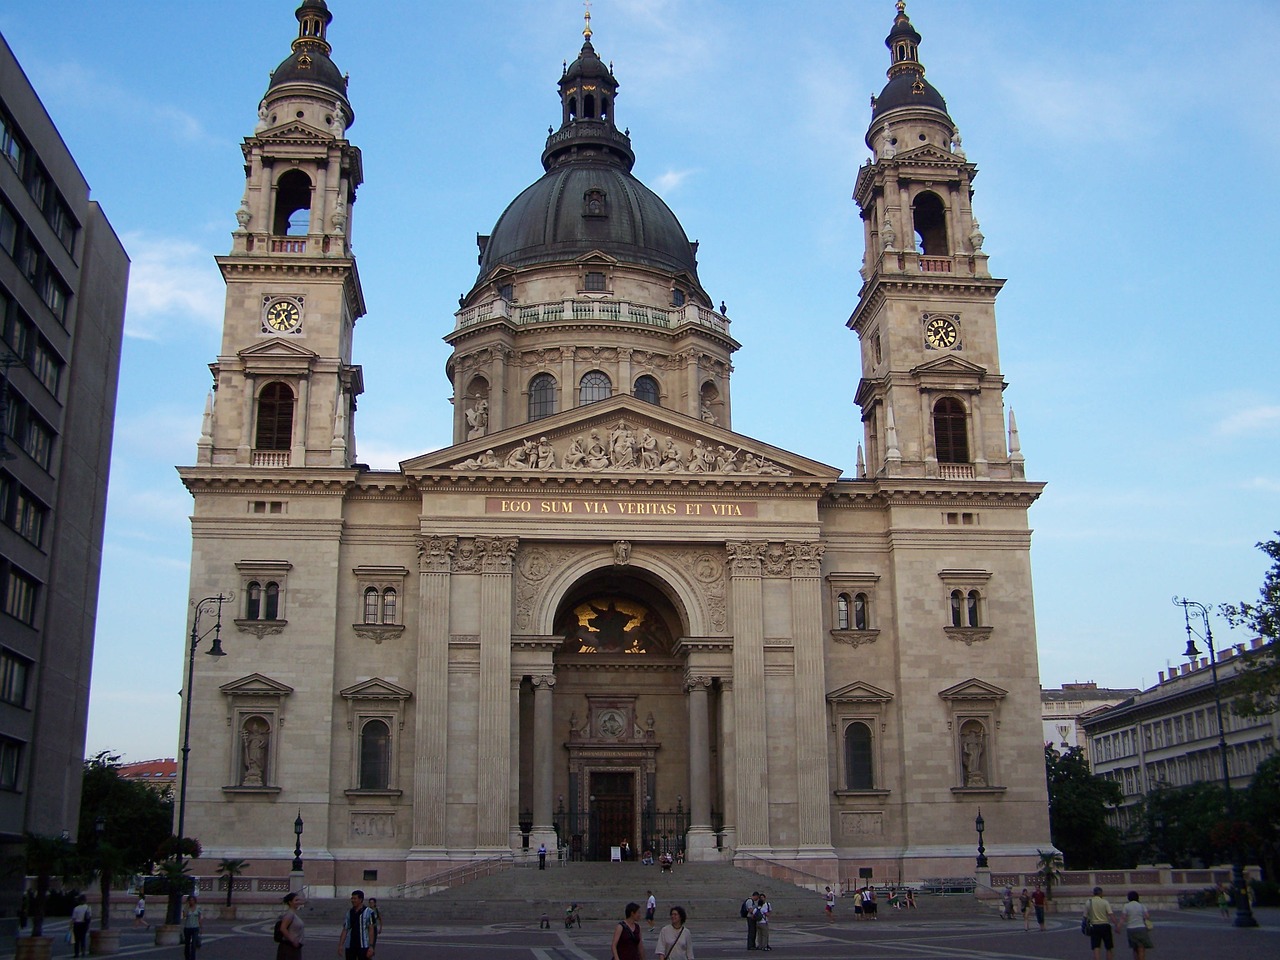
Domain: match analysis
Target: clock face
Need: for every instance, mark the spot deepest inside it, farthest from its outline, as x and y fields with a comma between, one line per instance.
x=940, y=333
x=283, y=316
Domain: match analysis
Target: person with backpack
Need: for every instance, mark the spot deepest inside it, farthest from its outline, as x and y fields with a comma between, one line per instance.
x=749, y=914
x=763, y=909
x=288, y=929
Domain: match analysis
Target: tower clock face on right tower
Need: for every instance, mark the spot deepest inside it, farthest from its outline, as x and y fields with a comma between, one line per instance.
x=283, y=316
x=940, y=333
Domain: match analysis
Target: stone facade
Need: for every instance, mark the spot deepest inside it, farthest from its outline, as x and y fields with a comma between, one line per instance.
x=601, y=614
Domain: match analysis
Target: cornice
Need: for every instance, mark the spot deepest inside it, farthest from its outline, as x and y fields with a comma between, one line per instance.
x=885, y=491
x=876, y=290
x=671, y=334
x=239, y=479
x=337, y=268
x=694, y=486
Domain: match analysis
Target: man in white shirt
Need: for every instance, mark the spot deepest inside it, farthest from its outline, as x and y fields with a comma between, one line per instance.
x=81, y=917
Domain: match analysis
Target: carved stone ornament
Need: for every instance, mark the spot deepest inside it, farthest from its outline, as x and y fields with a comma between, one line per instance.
x=707, y=569
x=261, y=628
x=467, y=557
x=968, y=635
x=745, y=557
x=806, y=557
x=855, y=638
x=435, y=553
x=532, y=568
x=377, y=632
x=622, y=448
x=621, y=553
x=496, y=553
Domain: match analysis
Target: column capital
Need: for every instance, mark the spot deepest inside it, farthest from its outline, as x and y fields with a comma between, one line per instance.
x=435, y=554
x=543, y=680
x=694, y=682
x=745, y=557
x=806, y=557
x=496, y=553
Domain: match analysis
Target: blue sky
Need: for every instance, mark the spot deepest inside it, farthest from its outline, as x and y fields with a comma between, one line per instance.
x=1128, y=160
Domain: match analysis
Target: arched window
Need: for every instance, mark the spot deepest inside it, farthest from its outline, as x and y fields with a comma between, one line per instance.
x=604, y=108
x=293, y=205
x=371, y=608
x=542, y=396
x=595, y=386
x=573, y=108
x=271, y=602
x=389, y=605
x=275, y=417
x=975, y=619
x=842, y=612
x=647, y=389
x=375, y=755
x=857, y=757
x=253, y=600
x=588, y=107
x=860, y=611
x=950, y=431
x=929, y=217
x=957, y=608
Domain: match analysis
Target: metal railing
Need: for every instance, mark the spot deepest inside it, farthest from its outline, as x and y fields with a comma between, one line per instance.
x=454, y=876
x=785, y=872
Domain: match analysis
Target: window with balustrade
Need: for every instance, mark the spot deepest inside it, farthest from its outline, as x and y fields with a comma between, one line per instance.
x=950, y=431
x=275, y=417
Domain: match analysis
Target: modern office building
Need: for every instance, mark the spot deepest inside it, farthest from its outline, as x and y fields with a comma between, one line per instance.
x=63, y=275
x=1062, y=709
x=601, y=614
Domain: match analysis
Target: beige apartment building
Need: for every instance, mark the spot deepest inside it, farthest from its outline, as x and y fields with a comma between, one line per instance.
x=601, y=614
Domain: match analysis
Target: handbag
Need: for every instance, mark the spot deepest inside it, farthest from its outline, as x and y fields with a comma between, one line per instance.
x=1084, y=925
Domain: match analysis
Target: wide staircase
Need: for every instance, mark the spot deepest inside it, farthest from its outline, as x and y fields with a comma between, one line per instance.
x=708, y=891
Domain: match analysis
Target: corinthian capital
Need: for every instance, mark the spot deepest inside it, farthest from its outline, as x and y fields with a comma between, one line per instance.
x=806, y=557
x=435, y=554
x=496, y=553
x=744, y=557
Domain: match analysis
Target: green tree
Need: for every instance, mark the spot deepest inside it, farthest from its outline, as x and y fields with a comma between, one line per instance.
x=47, y=857
x=231, y=868
x=1049, y=869
x=1257, y=688
x=1180, y=822
x=1262, y=810
x=1078, y=804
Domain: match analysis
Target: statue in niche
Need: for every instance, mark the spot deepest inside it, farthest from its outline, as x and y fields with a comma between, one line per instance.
x=622, y=553
x=708, y=416
x=478, y=419
x=973, y=749
x=255, y=737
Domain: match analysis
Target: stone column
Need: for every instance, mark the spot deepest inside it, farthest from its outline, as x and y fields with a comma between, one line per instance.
x=728, y=764
x=701, y=839
x=543, y=754
x=244, y=452
x=301, y=424
x=516, y=837
x=431, y=702
x=813, y=788
x=493, y=733
x=747, y=605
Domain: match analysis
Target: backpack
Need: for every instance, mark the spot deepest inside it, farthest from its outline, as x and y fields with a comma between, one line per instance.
x=277, y=932
x=743, y=911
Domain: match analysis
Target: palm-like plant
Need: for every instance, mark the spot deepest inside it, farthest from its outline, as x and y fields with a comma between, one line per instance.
x=1050, y=869
x=47, y=857
x=231, y=868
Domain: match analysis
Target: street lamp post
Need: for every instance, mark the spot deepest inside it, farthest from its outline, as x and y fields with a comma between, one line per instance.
x=980, y=825
x=215, y=650
x=297, y=844
x=1244, y=913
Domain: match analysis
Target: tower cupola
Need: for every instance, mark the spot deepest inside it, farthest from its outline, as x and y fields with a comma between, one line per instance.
x=588, y=90
x=907, y=86
x=308, y=71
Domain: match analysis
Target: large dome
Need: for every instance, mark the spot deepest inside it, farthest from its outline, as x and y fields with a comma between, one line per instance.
x=582, y=206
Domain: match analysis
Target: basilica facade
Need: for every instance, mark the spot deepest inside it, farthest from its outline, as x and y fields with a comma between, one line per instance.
x=601, y=616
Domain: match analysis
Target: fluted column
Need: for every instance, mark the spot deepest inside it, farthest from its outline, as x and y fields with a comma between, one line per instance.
x=728, y=763
x=813, y=787
x=431, y=704
x=543, y=752
x=493, y=740
x=747, y=606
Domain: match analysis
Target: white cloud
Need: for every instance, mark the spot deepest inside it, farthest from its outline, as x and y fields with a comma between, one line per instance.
x=670, y=181
x=170, y=280
x=1261, y=418
x=1263, y=484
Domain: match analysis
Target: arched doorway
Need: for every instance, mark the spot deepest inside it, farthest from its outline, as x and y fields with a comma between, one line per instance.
x=622, y=767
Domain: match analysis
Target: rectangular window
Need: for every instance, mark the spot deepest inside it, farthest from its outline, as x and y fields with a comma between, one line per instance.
x=46, y=365
x=10, y=762
x=39, y=442
x=14, y=671
x=64, y=224
x=10, y=143
x=8, y=230
x=595, y=281
x=54, y=293
x=17, y=330
x=28, y=518
x=20, y=596
x=38, y=184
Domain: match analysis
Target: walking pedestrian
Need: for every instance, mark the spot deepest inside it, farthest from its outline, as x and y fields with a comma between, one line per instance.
x=829, y=902
x=1024, y=903
x=81, y=917
x=377, y=916
x=626, y=935
x=1037, y=901
x=1099, y=916
x=675, y=942
x=191, y=926
x=749, y=911
x=650, y=907
x=289, y=929
x=140, y=911
x=358, y=937
x=1137, y=926
x=1006, y=902
x=1224, y=901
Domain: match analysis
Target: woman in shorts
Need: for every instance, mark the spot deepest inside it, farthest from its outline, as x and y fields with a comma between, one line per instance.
x=1136, y=917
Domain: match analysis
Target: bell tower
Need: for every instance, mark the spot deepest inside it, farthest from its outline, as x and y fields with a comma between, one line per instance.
x=284, y=385
x=931, y=385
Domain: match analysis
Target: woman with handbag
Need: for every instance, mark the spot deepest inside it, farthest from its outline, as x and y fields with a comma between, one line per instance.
x=1137, y=924
x=674, y=942
x=191, y=924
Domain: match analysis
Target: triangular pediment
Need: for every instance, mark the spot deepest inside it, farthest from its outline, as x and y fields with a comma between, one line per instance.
x=376, y=689
x=621, y=436
x=973, y=689
x=256, y=685
x=859, y=692
x=950, y=365
x=294, y=131
x=277, y=347
x=928, y=153
x=596, y=256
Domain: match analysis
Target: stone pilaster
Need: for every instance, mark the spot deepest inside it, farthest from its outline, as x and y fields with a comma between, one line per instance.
x=431, y=704
x=747, y=605
x=813, y=789
x=543, y=753
x=728, y=765
x=493, y=754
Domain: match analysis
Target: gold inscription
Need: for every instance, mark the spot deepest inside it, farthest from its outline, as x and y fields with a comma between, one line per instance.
x=586, y=509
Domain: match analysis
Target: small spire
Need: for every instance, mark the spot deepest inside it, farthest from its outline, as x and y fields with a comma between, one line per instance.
x=586, y=18
x=891, y=434
x=862, y=464
x=1015, y=444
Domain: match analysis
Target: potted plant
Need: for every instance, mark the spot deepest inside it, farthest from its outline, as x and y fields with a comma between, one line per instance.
x=1049, y=870
x=177, y=881
x=231, y=868
x=46, y=857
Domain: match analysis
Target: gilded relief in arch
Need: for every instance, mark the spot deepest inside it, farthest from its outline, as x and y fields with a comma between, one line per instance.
x=614, y=624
